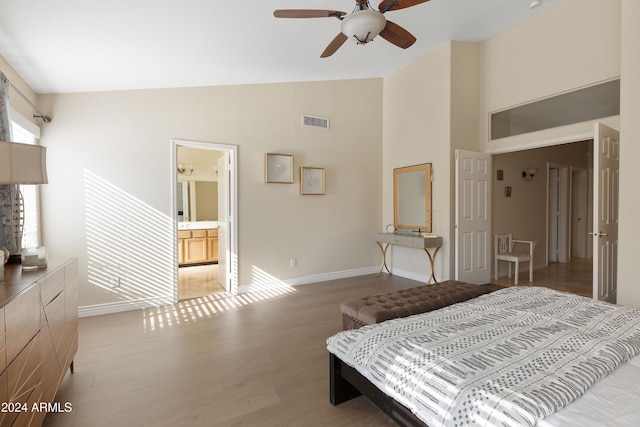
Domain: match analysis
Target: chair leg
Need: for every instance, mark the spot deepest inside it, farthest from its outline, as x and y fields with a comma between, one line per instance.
x=517, y=264
x=531, y=270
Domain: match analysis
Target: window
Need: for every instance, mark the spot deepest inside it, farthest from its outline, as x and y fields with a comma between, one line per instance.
x=30, y=194
x=590, y=103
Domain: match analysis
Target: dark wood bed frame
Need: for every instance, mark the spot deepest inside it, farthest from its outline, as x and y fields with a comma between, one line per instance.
x=346, y=382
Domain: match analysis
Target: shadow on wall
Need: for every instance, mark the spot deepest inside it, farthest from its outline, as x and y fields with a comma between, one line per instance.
x=129, y=256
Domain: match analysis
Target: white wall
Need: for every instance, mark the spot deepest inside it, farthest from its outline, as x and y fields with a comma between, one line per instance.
x=629, y=232
x=109, y=198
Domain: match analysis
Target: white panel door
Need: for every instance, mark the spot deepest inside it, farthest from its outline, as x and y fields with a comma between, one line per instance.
x=473, y=217
x=606, y=171
x=223, y=222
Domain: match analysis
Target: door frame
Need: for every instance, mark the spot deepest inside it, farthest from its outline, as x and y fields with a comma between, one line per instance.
x=233, y=205
x=563, y=205
x=551, y=142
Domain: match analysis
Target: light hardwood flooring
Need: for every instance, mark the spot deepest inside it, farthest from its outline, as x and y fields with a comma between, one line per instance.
x=256, y=359
x=575, y=277
x=197, y=281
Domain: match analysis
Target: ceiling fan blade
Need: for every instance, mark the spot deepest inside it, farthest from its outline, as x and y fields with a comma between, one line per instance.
x=394, y=33
x=387, y=5
x=334, y=45
x=307, y=13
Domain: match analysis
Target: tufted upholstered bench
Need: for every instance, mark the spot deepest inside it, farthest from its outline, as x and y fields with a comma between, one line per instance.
x=358, y=312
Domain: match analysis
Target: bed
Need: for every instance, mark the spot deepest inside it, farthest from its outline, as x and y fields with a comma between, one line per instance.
x=521, y=356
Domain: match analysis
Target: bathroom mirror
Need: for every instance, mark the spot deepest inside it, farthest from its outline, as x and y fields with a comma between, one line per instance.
x=197, y=201
x=412, y=198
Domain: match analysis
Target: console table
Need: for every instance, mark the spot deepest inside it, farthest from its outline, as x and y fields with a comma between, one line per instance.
x=413, y=241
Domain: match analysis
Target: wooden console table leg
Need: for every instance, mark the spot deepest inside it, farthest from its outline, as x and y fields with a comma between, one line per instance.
x=431, y=263
x=384, y=258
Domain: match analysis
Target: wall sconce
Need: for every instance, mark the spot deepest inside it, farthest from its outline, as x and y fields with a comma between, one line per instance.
x=185, y=171
x=529, y=173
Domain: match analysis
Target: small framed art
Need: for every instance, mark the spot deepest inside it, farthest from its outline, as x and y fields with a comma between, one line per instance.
x=311, y=180
x=278, y=168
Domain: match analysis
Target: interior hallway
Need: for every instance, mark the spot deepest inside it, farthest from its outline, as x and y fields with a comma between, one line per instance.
x=575, y=277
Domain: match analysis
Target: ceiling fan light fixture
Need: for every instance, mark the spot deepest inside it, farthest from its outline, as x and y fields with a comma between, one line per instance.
x=362, y=26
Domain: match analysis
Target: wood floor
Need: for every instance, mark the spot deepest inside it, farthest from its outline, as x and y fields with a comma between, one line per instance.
x=575, y=277
x=222, y=360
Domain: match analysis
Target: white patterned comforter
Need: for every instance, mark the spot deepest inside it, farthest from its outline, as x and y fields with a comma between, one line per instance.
x=508, y=358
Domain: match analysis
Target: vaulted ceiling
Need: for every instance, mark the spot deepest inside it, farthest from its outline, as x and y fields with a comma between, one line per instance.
x=61, y=46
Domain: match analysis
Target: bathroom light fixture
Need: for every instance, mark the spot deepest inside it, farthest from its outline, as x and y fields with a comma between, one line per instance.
x=534, y=3
x=529, y=173
x=185, y=171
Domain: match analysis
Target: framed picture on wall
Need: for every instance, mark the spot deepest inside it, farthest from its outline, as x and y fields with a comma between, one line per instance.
x=312, y=180
x=278, y=168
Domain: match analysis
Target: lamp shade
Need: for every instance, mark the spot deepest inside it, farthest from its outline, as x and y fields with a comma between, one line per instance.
x=22, y=163
x=363, y=26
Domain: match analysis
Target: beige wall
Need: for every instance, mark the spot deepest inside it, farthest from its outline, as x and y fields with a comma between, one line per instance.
x=109, y=197
x=416, y=129
x=573, y=45
x=629, y=232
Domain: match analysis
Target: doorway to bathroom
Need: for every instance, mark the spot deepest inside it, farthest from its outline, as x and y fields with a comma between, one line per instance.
x=204, y=207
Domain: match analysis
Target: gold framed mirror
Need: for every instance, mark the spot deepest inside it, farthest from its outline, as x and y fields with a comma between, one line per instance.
x=412, y=198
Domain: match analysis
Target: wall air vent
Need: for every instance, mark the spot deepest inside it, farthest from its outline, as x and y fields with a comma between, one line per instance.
x=315, y=121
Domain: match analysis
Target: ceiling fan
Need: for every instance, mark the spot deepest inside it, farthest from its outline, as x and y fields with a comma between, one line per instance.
x=362, y=25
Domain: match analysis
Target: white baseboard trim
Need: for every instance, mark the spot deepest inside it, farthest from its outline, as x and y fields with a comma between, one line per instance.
x=120, y=306
x=419, y=277
x=305, y=280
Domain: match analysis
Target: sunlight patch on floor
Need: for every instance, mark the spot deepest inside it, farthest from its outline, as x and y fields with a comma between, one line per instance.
x=192, y=310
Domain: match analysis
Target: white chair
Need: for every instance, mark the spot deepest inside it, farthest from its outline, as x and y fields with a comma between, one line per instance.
x=503, y=250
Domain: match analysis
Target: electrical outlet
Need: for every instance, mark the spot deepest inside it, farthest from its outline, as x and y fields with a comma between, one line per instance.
x=414, y=259
x=115, y=281
x=293, y=262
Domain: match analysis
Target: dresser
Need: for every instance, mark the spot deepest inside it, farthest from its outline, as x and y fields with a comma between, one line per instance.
x=38, y=339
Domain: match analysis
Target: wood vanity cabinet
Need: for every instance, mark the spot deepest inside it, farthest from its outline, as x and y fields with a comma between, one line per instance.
x=212, y=245
x=183, y=235
x=197, y=246
x=38, y=339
